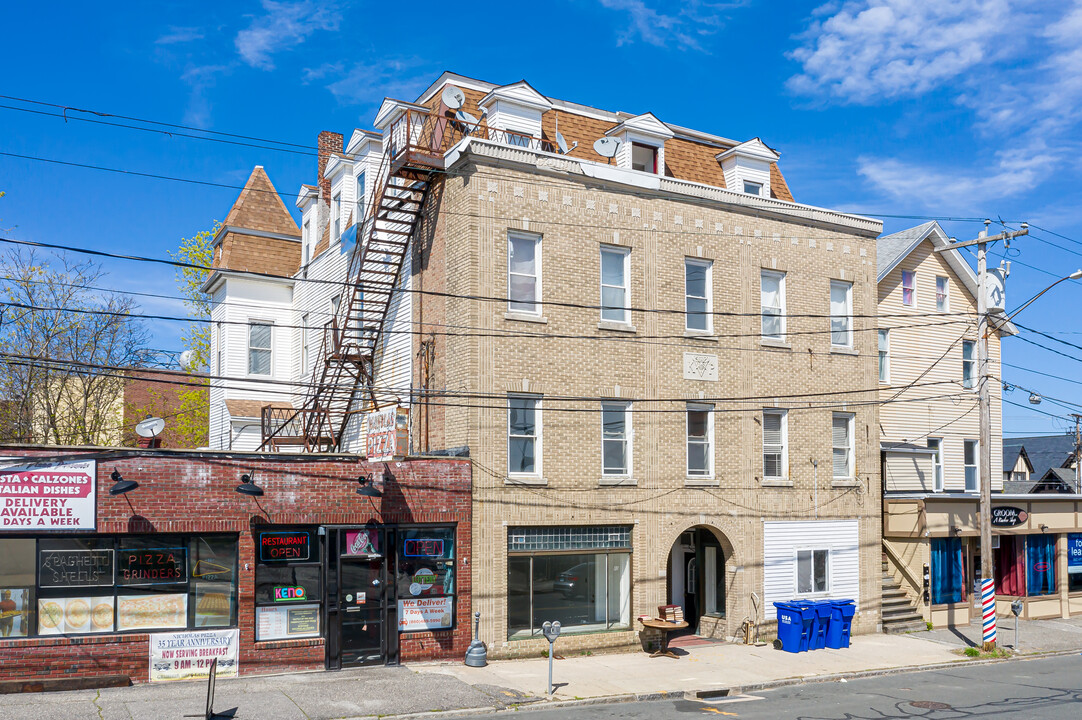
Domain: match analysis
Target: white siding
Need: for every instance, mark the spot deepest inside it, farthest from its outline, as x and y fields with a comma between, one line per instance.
x=737, y=169
x=908, y=472
x=781, y=540
x=504, y=115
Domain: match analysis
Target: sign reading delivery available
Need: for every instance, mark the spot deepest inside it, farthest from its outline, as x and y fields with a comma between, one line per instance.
x=48, y=497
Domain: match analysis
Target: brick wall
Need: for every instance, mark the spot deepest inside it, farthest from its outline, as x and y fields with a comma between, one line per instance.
x=159, y=393
x=195, y=493
x=468, y=257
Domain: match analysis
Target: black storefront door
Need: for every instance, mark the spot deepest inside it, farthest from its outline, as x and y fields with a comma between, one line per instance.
x=361, y=622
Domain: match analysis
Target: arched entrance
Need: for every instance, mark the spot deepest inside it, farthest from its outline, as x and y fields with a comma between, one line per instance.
x=696, y=575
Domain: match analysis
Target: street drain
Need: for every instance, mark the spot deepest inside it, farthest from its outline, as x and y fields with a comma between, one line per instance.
x=930, y=705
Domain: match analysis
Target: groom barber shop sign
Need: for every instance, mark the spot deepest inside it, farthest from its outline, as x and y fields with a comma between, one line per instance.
x=1006, y=516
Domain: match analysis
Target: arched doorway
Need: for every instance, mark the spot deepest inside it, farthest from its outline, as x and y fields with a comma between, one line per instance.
x=696, y=575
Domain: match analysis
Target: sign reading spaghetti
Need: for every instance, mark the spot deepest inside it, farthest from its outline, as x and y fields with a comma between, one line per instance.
x=48, y=497
x=388, y=434
x=188, y=655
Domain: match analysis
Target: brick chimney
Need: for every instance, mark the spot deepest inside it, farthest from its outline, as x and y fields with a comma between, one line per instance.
x=330, y=143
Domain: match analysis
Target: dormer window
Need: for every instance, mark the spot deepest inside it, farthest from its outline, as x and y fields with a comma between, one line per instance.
x=513, y=114
x=747, y=167
x=643, y=158
x=753, y=188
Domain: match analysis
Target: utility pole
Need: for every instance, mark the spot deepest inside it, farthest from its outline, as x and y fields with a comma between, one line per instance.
x=1077, y=449
x=988, y=595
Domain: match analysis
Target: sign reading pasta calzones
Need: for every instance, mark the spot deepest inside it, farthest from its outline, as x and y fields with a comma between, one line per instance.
x=48, y=497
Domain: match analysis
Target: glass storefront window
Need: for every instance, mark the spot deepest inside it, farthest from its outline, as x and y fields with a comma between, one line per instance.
x=17, y=604
x=425, y=578
x=1041, y=564
x=586, y=591
x=948, y=571
x=288, y=583
x=123, y=583
x=1074, y=562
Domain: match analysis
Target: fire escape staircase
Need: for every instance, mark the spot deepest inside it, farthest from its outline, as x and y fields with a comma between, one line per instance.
x=345, y=367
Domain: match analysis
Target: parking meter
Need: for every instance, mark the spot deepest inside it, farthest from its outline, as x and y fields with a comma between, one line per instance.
x=551, y=630
x=1016, y=608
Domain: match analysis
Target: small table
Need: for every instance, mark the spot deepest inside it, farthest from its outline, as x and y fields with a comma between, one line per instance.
x=665, y=627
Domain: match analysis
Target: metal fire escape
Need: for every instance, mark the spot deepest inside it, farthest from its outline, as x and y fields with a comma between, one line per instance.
x=344, y=368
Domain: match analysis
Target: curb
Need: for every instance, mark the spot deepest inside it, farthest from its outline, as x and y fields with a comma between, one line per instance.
x=713, y=692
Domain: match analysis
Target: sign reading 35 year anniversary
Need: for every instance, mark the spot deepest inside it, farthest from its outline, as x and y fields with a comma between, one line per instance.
x=48, y=497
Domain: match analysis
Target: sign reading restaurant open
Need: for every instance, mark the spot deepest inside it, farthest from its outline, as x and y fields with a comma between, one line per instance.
x=50, y=497
x=285, y=546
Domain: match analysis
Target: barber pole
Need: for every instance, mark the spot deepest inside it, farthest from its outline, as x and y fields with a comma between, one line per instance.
x=988, y=610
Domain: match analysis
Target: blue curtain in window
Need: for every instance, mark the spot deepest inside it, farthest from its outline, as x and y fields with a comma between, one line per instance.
x=947, y=573
x=1041, y=564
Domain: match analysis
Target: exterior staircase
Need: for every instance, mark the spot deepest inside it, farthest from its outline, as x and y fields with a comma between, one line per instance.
x=899, y=615
x=344, y=370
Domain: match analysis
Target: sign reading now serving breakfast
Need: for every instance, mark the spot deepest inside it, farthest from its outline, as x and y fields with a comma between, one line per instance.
x=188, y=655
x=48, y=497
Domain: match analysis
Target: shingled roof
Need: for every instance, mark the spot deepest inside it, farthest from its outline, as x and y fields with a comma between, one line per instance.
x=258, y=234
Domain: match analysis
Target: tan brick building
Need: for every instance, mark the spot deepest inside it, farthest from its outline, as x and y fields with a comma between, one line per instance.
x=663, y=367
x=558, y=232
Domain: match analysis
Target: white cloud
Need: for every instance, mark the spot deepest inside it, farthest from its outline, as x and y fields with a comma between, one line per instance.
x=284, y=26
x=685, y=29
x=1012, y=65
x=873, y=49
x=179, y=35
x=200, y=78
x=367, y=84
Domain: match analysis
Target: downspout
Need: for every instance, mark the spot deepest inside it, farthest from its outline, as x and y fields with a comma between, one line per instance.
x=815, y=485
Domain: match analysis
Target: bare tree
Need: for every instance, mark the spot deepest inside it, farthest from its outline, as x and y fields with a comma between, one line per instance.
x=63, y=347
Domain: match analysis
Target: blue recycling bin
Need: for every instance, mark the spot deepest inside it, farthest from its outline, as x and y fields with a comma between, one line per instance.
x=794, y=626
x=820, y=628
x=841, y=623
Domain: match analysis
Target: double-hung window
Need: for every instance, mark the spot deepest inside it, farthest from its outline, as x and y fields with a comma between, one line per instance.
x=523, y=435
x=614, y=273
x=615, y=439
x=524, y=273
x=259, y=347
x=969, y=364
x=775, y=455
x=336, y=217
x=942, y=293
x=842, y=444
x=306, y=242
x=909, y=288
x=358, y=216
x=306, y=337
x=812, y=571
x=697, y=303
x=969, y=460
x=700, y=433
x=937, y=463
x=884, y=356
x=841, y=313
x=772, y=303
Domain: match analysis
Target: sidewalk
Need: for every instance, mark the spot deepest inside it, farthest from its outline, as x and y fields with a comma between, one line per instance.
x=424, y=688
x=704, y=667
x=1034, y=636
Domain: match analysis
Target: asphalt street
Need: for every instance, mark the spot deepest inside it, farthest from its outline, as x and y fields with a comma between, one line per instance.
x=1039, y=689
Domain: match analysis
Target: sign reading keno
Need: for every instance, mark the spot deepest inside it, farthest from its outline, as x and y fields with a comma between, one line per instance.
x=1007, y=516
x=52, y=497
x=387, y=435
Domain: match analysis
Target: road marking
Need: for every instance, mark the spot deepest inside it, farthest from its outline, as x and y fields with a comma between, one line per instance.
x=719, y=712
x=733, y=699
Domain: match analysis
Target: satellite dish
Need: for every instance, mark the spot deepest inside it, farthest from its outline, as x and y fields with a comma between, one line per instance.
x=453, y=97
x=561, y=143
x=606, y=147
x=185, y=359
x=463, y=116
x=150, y=427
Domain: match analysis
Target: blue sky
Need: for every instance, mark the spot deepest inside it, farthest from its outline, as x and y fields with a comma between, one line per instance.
x=905, y=107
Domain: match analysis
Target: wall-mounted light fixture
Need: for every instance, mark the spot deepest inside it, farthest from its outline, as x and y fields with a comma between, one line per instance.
x=247, y=485
x=1044, y=528
x=120, y=485
x=366, y=488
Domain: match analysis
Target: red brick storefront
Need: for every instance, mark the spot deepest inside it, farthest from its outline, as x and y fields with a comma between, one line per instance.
x=187, y=496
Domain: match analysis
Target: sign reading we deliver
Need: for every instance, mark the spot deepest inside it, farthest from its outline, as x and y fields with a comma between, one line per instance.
x=48, y=497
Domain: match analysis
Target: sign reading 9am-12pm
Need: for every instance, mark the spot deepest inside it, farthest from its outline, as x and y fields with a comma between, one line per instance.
x=48, y=497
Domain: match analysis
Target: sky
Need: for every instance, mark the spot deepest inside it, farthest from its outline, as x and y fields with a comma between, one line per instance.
x=966, y=109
